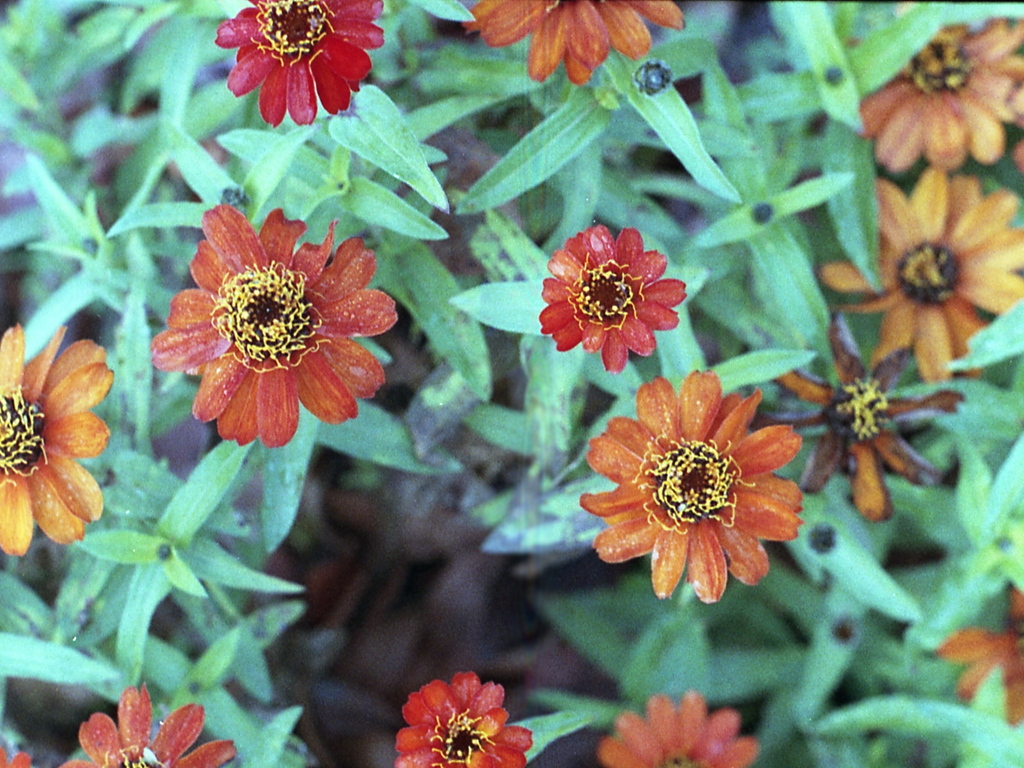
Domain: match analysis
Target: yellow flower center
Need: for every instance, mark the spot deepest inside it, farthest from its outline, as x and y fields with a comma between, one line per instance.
x=292, y=28
x=604, y=294
x=858, y=409
x=21, y=434
x=942, y=65
x=459, y=739
x=266, y=315
x=927, y=274
x=692, y=482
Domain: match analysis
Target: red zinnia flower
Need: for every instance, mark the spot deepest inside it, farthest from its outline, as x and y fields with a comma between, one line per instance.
x=20, y=760
x=578, y=32
x=606, y=293
x=294, y=46
x=678, y=737
x=45, y=425
x=695, y=484
x=270, y=326
x=127, y=742
x=461, y=725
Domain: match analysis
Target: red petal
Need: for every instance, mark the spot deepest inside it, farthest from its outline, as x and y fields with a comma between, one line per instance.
x=345, y=59
x=188, y=348
x=134, y=717
x=207, y=268
x=301, y=93
x=333, y=91
x=238, y=421
x=668, y=292
x=252, y=68
x=274, y=96
x=351, y=270
x=310, y=260
x=213, y=754
x=233, y=238
x=614, y=352
x=361, y=313
x=178, y=732
x=355, y=365
x=278, y=236
x=555, y=317
x=98, y=737
x=241, y=30
x=637, y=336
x=221, y=379
x=191, y=307
x=707, y=571
x=322, y=391
x=277, y=406
x=657, y=316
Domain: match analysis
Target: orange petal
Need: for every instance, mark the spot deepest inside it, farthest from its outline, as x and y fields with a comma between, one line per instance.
x=502, y=23
x=277, y=406
x=766, y=516
x=38, y=368
x=279, y=235
x=747, y=559
x=945, y=132
x=322, y=391
x=625, y=498
x=16, y=519
x=75, y=486
x=990, y=289
x=360, y=313
x=900, y=457
x=658, y=408
x=982, y=221
x=668, y=559
x=610, y=458
x=351, y=270
x=638, y=736
x=876, y=109
x=79, y=391
x=547, y=46
x=842, y=276
x=700, y=398
x=52, y=514
x=963, y=321
x=766, y=450
x=238, y=420
x=986, y=133
x=933, y=344
x=707, y=570
x=12, y=358
x=221, y=379
x=233, y=238
x=734, y=422
x=208, y=269
x=191, y=307
x=897, y=330
x=178, y=732
x=1003, y=251
x=901, y=140
x=661, y=13
x=633, y=436
x=929, y=202
x=587, y=38
x=212, y=754
x=612, y=753
x=134, y=716
x=625, y=541
x=896, y=220
x=76, y=436
x=627, y=33
x=693, y=713
x=661, y=714
x=870, y=495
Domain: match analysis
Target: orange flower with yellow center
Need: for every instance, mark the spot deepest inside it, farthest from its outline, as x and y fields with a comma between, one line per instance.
x=694, y=484
x=578, y=32
x=461, y=725
x=270, y=326
x=45, y=425
x=678, y=737
x=984, y=651
x=952, y=98
x=608, y=295
x=944, y=251
x=127, y=743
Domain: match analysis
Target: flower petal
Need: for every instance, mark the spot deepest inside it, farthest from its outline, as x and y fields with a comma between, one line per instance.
x=668, y=559
x=301, y=93
x=277, y=406
x=933, y=344
x=185, y=349
x=747, y=559
x=51, y=513
x=279, y=235
x=76, y=487
x=134, y=716
x=360, y=313
x=274, y=96
x=16, y=517
x=610, y=458
x=658, y=408
x=233, y=238
x=76, y=436
x=221, y=379
x=12, y=358
x=707, y=570
x=870, y=495
x=700, y=398
x=252, y=67
x=627, y=32
x=625, y=498
x=213, y=754
x=612, y=753
x=766, y=516
x=614, y=352
x=625, y=541
x=238, y=420
x=178, y=732
x=98, y=737
x=82, y=389
x=354, y=365
x=38, y=368
x=322, y=391
x=640, y=738
x=547, y=46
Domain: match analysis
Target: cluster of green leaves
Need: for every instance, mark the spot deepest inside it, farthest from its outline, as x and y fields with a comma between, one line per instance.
x=776, y=168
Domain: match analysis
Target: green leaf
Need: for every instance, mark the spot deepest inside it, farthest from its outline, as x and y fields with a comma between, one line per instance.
x=452, y=10
x=29, y=657
x=181, y=576
x=202, y=492
x=375, y=435
x=201, y=172
x=212, y=563
x=22, y=609
x=15, y=86
x=828, y=657
x=880, y=56
x=377, y=205
x=211, y=667
x=273, y=737
x=149, y=586
x=559, y=138
x=974, y=481
x=854, y=208
x=547, y=728
x=123, y=546
x=57, y=308
x=760, y=366
x=811, y=28
x=670, y=656
x=270, y=170
x=1002, y=339
x=776, y=96
x=504, y=250
x=667, y=114
x=133, y=369
x=1007, y=490
x=375, y=129
x=514, y=306
x=284, y=477
x=67, y=222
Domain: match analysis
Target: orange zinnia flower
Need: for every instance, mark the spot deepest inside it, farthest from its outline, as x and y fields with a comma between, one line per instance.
x=943, y=251
x=126, y=744
x=299, y=50
x=953, y=97
x=578, y=32
x=270, y=326
x=694, y=483
x=984, y=651
x=606, y=293
x=45, y=424
x=20, y=760
x=678, y=737
x=855, y=413
x=461, y=725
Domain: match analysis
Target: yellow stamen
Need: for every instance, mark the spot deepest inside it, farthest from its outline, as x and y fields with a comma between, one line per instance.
x=459, y=739
x=21, y=434
x=604, y=294
x=927, y=274
x=942, y=65
x=862, y=408
x=691, y=482
x=292, y=28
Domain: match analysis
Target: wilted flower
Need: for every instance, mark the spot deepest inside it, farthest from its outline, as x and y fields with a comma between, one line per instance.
x=300, y=50
x=578, y=32
x=943, y=251
x=984, y=651
x=461, y=725
x=607, y=294
x=45, y=425
x=694, y=484
x=126, y=743
x=270, y=326
x=678, y=737
x=952, y=98
x=856, y=414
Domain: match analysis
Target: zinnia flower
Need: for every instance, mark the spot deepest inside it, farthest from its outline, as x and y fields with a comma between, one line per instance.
x=299, y=50
x=268, y=327
x=606, y=293
x=952, y=98
x=678, y=737
x=855, y=414
x=20, y=760
x=461, y=725
x=578, y=32
x=126, y=744
x=984, y=651
x=45, y=424
x=694, y=483
x=944, y=251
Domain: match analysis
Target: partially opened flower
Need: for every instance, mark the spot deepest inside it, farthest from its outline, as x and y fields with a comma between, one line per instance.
x=694, y=485
x=20, y=760
x=461, y=725
x=301, y=50
x=944, y=251
x=578, y=32
x=952, y=98
x=45, y=426
x=270, y=326
x=683, y=736
x=127, y=743
x=607, y=294
x=983, y=651
x=856, y=414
